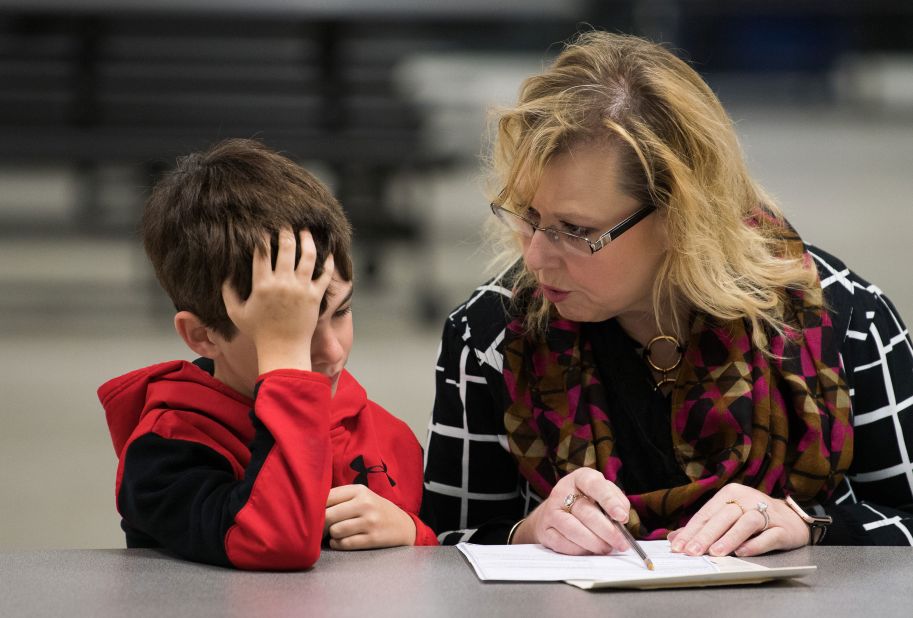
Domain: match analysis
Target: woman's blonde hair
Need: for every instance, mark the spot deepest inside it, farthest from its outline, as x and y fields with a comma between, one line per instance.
x=677, y=149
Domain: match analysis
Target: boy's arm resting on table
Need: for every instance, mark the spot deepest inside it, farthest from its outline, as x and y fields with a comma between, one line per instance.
x=471, y=481
x=179, y=486
x=875, y=504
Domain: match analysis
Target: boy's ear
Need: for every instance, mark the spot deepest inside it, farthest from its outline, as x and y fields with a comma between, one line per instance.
x=196, y=335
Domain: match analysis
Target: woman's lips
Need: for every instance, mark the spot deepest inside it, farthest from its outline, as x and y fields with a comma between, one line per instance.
x=553, y=295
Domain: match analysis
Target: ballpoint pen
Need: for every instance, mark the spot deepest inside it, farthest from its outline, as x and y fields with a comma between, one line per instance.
x=634, y=544
x=630, y=539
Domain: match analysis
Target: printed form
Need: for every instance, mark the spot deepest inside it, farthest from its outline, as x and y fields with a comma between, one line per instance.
x=536, y=563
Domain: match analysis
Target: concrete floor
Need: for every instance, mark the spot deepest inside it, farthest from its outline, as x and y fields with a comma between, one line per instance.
x=73, y=315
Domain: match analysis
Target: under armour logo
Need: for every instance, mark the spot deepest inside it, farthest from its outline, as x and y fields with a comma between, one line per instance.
x=358, y=464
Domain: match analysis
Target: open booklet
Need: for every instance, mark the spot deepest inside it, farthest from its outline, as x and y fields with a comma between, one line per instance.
x=618, y=570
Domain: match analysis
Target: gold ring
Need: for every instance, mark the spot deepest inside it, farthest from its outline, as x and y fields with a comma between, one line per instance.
x=736, y=502
x=568, y=505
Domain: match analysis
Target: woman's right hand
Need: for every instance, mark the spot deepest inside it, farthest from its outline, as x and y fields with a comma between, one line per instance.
x=583, y=528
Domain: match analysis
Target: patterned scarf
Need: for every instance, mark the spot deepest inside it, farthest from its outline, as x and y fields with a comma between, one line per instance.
x=780, y=424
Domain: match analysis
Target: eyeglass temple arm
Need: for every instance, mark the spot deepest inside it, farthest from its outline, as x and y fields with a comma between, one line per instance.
x=621, y=228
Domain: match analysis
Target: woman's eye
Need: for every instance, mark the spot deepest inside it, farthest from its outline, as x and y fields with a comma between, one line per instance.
x=530, y=214
x=577, y=230
x=343, y=312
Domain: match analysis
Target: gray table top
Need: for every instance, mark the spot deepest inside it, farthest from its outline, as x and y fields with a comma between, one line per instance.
x=427, y=581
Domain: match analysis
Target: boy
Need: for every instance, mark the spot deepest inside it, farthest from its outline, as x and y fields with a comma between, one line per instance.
x=251, y=455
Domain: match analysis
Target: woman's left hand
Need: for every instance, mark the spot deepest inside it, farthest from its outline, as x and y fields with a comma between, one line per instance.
x=732, y=521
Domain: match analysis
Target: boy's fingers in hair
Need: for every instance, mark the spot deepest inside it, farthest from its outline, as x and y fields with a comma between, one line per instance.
x=308, y=253
x=329, y=267
x=285, y=258
x=262, y=263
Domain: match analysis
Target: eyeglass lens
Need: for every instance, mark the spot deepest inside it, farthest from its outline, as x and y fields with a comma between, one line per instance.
x=521, y=225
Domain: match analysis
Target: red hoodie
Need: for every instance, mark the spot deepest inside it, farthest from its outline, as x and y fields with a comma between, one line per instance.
x=217, y=477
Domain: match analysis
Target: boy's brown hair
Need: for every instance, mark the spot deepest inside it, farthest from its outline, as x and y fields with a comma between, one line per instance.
x=205, y=218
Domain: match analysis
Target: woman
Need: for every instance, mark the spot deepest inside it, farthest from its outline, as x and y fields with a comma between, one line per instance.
x=666, y=351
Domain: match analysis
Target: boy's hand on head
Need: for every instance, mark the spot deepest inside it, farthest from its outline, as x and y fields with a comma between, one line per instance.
x=281, y=313
x=357, y=518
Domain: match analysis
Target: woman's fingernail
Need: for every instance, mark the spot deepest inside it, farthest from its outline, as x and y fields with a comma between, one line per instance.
x=717, y=549
x=695, y=548
x=677, y=546
x=619, y=513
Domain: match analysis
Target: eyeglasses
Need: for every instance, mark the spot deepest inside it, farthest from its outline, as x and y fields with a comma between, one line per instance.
x=581, y=245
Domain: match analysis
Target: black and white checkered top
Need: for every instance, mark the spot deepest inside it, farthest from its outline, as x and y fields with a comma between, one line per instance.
x=474, y=492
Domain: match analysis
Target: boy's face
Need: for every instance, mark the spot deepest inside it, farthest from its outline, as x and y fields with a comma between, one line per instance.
x=330, y=344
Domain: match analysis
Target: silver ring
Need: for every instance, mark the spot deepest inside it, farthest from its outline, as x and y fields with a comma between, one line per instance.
x=568, y=505
x=762, y=509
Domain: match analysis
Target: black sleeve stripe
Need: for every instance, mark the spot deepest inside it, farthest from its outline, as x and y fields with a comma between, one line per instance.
x=184, y=496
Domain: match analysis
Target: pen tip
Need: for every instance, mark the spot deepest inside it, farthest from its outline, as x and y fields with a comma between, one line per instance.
x=649, y=564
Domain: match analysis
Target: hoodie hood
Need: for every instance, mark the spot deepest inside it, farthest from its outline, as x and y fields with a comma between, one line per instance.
x=175, y=384
x=349, y=400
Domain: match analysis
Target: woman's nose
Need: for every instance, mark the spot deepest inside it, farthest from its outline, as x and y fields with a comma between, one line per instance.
x=539, y=251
